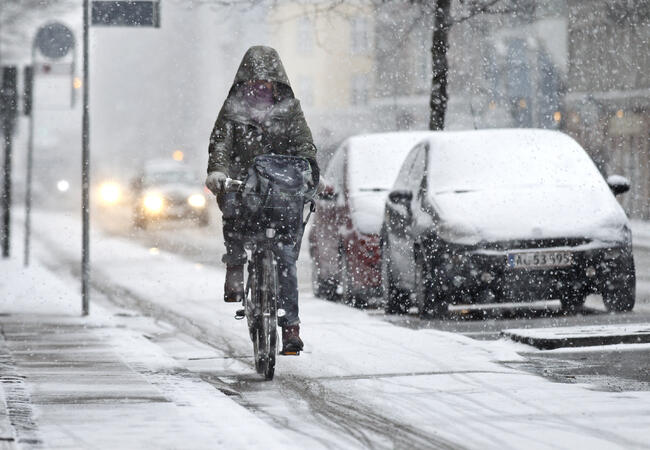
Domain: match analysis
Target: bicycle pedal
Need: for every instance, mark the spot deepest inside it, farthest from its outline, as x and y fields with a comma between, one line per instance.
x=240, y=314
x=290, y=353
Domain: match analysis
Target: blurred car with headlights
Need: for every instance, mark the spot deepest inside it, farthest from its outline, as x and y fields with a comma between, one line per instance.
x=493, y=216
x=168, y=190
x=344, y=239
x=111, y=193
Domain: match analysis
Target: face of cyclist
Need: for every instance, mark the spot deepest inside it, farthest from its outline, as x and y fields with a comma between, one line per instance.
x=258, y=93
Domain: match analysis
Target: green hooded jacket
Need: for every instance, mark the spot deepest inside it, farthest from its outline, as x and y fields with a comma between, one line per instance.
x=237, y=138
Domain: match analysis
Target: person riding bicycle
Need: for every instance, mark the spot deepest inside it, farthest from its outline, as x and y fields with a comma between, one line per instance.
x=260, y=115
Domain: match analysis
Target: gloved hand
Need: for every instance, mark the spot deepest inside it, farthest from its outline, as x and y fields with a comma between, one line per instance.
x=215, y=181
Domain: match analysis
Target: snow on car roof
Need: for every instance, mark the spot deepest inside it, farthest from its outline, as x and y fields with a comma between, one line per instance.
x=505, y=158
x=374, y=160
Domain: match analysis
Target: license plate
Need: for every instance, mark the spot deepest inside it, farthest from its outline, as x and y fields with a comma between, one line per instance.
x=539, y=260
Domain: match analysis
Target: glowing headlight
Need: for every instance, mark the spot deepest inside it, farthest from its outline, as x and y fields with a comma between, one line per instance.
x=110, y=193
x=63, y=185
x=196, y=201
x=153, y=203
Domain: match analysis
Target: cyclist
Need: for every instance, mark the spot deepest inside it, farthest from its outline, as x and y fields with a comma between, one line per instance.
x=260, y=115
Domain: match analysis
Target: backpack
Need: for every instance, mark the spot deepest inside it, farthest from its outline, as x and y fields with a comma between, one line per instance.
x=275, y=192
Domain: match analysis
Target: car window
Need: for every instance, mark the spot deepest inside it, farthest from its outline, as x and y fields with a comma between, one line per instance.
x=334, y=172
x=417, y=170
x=402, y=181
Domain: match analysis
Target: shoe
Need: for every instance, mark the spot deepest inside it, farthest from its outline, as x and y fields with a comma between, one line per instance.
x=291, y=342
x=233, y=289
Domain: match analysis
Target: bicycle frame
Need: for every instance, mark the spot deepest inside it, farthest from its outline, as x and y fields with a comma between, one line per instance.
x=262, y=291
x=260, y=303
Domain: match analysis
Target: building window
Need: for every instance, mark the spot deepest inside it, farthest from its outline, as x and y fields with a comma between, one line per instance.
x=360, y=35
x=305, y=90
x=359, y=89
x=305, y=38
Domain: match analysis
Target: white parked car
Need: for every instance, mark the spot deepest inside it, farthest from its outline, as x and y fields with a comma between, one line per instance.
x=344, y=239
x=505, y=215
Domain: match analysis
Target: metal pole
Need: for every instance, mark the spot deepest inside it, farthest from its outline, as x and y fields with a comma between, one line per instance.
x=8, y=106
x=30, y=164
x=6, y=190
x=85, y=176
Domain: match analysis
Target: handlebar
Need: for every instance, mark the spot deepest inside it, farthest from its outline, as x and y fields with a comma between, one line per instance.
x=232, y=185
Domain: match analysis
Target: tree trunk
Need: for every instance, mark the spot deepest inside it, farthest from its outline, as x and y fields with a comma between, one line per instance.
x=440, y=65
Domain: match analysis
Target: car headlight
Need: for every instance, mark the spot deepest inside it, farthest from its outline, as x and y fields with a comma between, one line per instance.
x=153, y=203
x=196, y=201
x=458, y=233
x=109, y=193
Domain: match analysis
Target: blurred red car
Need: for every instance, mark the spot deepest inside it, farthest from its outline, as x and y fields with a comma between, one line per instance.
x=344, y=239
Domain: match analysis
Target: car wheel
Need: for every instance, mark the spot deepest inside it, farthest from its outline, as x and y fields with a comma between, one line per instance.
x=619, y=294
x=347, y=294
x=431, y=301
x=320, y=288
x=140, y=222
x=204, y=219
x=573, y=301
x=396, y=299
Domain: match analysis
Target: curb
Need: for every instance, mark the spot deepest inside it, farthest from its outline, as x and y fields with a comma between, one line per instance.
x=546, y=341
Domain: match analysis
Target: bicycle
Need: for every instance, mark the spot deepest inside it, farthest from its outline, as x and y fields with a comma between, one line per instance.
x=262, y=291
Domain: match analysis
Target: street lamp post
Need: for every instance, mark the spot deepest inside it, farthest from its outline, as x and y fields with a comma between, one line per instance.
x=85, y=172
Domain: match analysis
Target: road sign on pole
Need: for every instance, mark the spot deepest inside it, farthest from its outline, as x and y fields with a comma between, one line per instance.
x=54, y=40
x=134, y=13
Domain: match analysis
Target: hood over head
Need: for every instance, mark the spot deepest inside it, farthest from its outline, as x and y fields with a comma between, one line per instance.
x=261, y=63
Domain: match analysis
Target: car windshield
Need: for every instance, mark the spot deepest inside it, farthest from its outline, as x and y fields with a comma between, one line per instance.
x=500, y=159
x=169, y=177
x=375, y=161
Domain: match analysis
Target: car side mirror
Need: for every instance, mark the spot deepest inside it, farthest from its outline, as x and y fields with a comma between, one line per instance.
x=401, y=197
x=328, y=193
x=618, y=184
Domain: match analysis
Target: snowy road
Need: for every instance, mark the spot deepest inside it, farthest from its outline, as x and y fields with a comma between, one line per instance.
x=362, y=381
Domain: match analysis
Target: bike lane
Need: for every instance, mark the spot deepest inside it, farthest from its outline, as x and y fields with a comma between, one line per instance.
x=362, y=381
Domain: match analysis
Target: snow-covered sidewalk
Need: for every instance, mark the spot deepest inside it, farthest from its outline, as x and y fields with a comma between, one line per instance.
x=111, y=380
x=361, y=382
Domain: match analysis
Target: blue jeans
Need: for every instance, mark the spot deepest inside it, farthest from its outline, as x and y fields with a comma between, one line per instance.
x=235, y=232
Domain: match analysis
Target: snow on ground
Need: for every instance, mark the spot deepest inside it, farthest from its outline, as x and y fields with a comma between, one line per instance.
x=100, y=381
x=362, y=380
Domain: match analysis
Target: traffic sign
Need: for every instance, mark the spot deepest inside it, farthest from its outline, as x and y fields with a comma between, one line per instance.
x=132, y=13
x=54, y=40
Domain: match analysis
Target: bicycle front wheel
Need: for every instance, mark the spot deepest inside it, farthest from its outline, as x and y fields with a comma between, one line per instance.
x=268, y=331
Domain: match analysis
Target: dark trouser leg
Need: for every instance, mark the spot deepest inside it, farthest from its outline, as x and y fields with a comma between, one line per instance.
x=233, y=228
x=234, y=241
x=286, y=257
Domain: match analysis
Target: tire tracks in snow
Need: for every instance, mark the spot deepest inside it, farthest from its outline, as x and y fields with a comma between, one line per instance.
x=332, y=412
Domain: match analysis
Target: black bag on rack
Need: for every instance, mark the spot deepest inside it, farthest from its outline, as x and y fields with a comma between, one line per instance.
x=275, y=192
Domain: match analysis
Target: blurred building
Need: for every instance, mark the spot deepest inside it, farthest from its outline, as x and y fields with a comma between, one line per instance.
x=329, y=56
x=504, y=70
x=608, y=92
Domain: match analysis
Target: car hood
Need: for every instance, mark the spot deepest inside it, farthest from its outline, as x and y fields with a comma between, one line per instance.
x=530, y=213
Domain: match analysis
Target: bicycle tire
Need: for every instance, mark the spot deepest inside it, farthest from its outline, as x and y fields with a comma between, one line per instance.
x=253, y=313
x=269, y=316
